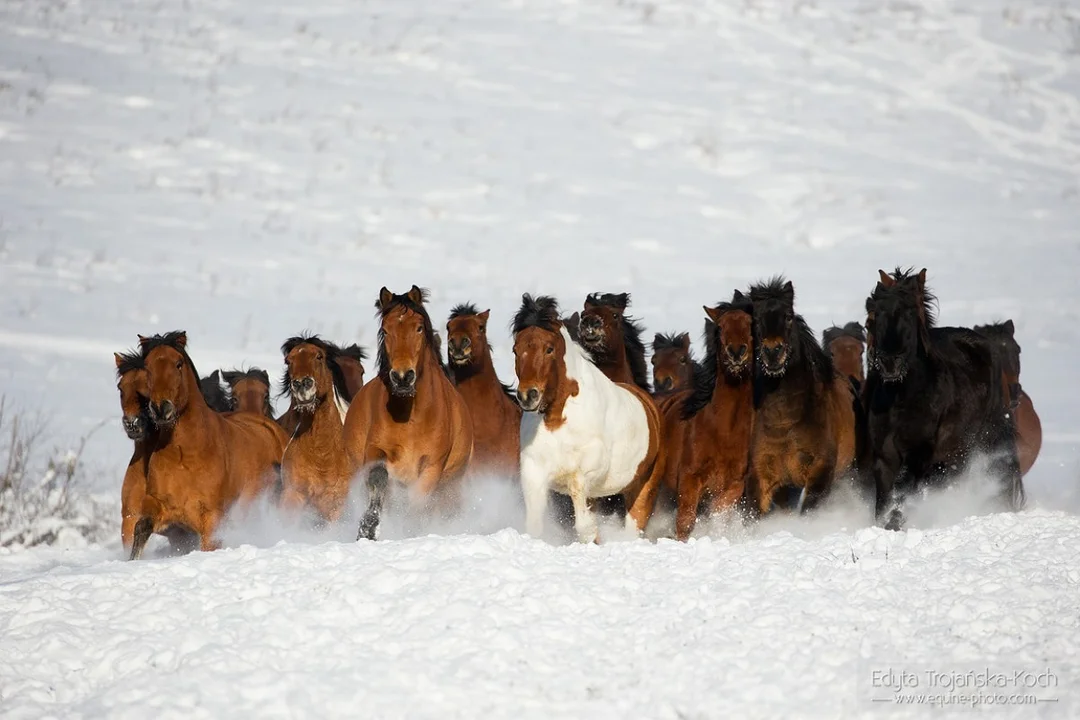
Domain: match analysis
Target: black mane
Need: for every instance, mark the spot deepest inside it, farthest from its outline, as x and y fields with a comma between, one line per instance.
x=130, y=360
x=355, y=352
x=852, y=330
x=331, y=352
x=462, y=310
x=631, y=331
x=218, y=398
x=541, y=312
x=434, y=342
x=803, y=342
x=668, y=341
x=907, y=281
x=231, y=377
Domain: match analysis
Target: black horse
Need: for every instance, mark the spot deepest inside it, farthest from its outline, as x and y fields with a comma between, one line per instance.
x=934, y=399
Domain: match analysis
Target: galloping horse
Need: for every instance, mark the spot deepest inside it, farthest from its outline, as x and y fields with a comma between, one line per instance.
x=613, y=339
x=202, y=462
x=134, y=391
x=495, y=413
x=846, y=345
x=804, y=425
x=708, y=432
x=408, y=422
x=314, y=467
x=674, y=366
x=1026, y=420
x=934, y=398
x=581, y=434
x=250, y=390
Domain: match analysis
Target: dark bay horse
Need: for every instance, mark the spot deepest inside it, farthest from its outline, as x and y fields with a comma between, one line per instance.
x=613, y=339
x=804, y=425
x=1025, y=419
x=934, y=398
x=315, y=471
x=582, y=434
x=249, y=390
x=708, y=433
x=674, y=366
x=495, y=413
x=846, y=346
x=408, y=423
x=350, y=360
x=216, y=396
x=203, y=462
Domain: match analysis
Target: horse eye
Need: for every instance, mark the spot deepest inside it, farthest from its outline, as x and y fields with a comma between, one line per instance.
x=482, y=327
x=419, y=329
x=179, y=364
x=683, y=360
x=550, y=349
x=319, y=356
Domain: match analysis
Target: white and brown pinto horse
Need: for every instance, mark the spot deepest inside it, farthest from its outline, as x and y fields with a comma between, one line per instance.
x=582, y=435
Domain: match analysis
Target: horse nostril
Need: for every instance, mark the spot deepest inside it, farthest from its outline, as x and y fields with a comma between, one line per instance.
x=740, y=351
x=410, y=376
x=465, y=342
x=309, y=383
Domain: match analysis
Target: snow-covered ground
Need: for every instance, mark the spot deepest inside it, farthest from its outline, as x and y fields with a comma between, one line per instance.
x=246, y=170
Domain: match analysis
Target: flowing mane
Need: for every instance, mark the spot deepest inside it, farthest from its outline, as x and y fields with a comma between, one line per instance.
x=129, y=361
x=541, y=312
x=802, y=339
x=175, y=339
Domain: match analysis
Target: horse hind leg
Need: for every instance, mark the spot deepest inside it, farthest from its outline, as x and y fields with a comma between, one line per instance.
x=378, y=482
x=1005, y=466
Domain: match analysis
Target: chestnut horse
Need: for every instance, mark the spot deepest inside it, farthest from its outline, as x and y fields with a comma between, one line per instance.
x=314, y=467
x=708, y=433
x=673, y=364
x=804, y=424
x=846, y=346
x=408, y=423
x=613, y=339
x=134, y=392
x=495, y=413
x=582, y=434
x=1026, y=420
x=203, y=462
x=249, y=390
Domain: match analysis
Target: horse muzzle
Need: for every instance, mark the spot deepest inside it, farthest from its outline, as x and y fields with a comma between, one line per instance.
x=774, y=360
x=163, y=414
x=134, y=427
x=891, y=368
x=303, y=393
x=664, y=384
x=529, y=400
x=403, y=384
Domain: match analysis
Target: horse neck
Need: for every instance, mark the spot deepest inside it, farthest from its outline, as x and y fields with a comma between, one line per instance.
x=322, y=428
x=579, y=368
x=479, y=381
x=616, y=363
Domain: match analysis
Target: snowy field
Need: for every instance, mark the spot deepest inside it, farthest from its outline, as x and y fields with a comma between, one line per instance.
x=246, y=170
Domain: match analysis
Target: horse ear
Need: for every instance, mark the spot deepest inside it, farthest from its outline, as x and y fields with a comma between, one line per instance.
x=885, y=279
x=1010, y=327
x=143, y=339
x=416, y=295
x=738, y=296
x=119, y=360
x=684, y=340
x=484, y=316
x=181, y=340
x=385, y=296
x=789, y=291
x=713, y=313
x=589, y=302
x=922, y=279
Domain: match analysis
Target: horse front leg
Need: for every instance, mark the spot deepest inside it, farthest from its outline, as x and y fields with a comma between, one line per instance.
x=585, y=523
x=378, y=482
x=535, y=489
x=888, y=503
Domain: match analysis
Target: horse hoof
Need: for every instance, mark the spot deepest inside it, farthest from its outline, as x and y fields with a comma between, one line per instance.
x=896, y=521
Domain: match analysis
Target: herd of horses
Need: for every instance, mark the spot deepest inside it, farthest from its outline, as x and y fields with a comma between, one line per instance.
x=769, y=418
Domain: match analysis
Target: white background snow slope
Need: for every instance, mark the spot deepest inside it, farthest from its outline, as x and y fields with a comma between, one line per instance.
x=247, y=170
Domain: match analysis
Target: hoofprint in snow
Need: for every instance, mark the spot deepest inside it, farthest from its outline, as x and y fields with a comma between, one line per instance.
x=248, y=170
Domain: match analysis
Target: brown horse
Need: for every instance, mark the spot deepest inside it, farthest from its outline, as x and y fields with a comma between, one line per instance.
x=203, y=462
x=351, y=361
x=249, y=390
x=804, y=424
x=408, y=423
x=134, y=393
x=314, y=467
x=846, y=346
x=1028, y=427
x=613, y=339
x=673, y=364
x=495, y=413
x=708, y=432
